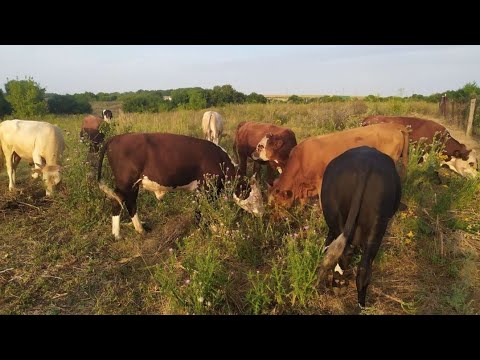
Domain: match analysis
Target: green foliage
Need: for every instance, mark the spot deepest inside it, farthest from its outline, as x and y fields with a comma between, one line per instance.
x=295, y=99
x=26, y=97
x=254, y=98
x=68, y=104
x=146, y=103
x=5, y=107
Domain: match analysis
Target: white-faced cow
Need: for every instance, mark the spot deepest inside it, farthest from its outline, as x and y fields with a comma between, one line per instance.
x=458, y=157
x=212, y=126
x=360, y=194
x=37, y=142
x=303, y=174
x=161, y=162
x=251, y=140
x=91, y=129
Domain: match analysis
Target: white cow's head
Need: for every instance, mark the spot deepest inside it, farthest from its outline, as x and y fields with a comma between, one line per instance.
x=50, y=175
x=107, y=115
x=466, y=168
x=254, y=202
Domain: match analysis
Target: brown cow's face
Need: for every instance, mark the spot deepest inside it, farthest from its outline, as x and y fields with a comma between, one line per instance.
x=267, y=148
x=254, y=202
x=466, y=166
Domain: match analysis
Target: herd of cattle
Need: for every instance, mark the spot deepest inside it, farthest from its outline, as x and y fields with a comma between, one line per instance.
x=356, y=173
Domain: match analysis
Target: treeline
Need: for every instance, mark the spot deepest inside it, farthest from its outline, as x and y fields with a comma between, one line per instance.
x=26, y=98
x=463, y=94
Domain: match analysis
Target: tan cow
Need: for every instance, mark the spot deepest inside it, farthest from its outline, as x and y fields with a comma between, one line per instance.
x=303, y=174
x=38, y=142
x=212, y=126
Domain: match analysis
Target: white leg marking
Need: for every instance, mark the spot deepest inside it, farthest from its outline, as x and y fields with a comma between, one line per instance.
x=116, y=226
x=339, y=269
x=137, y=224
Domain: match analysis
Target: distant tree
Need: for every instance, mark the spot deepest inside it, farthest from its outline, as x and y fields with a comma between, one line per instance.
x=295, y=99
x=68, y=104
x=197, y=99
x=5, y=108
x=26, y=97
x=256, y=98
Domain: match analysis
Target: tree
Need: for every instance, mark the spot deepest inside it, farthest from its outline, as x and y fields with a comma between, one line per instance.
x=68, y=104
x=295, y=99
x=197, y=99
x=26, y=97
x=256, y=98
x=5, y=108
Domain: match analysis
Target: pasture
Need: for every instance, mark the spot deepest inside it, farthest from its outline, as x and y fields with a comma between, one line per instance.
x=57, y=255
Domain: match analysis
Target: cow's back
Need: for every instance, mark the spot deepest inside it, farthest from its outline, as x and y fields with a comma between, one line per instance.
x=167, y=159
x=28, y=136
x=91, y=122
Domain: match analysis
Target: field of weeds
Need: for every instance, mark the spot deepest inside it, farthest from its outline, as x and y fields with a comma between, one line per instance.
x=57, y=255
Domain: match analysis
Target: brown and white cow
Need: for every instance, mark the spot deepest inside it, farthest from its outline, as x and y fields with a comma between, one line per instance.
x=91, y=129
x=251, y=139
x=303, y=174
x=459, y=159
x=162, y=162
x=37, y=142
x=212, y=126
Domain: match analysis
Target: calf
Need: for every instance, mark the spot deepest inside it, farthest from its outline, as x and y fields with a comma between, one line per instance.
x=251, y=141
x=458, y=157
x=164, y=162
x=360, y=194
x=212, y=126
x=90, y=129
x=38, y=142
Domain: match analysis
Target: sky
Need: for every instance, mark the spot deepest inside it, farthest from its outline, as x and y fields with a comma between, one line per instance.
x=356, y=70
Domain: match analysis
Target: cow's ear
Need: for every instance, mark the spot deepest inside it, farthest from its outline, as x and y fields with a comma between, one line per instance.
x=456, y=153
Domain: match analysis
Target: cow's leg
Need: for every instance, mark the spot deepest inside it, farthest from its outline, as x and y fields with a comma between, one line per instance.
x=256, y=169
x=116, y=210
x=271, y=169
x=38, y=163
x=9, y=166
x=370, y=250
x=242, y=167
x=339, y=281
x=328, y=240
x=131, y=203
x=15, y=160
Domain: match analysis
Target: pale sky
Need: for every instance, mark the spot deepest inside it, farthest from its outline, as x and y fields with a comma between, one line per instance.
x=267, y=69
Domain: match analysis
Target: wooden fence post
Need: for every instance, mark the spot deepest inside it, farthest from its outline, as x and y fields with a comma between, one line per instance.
x=470, y=117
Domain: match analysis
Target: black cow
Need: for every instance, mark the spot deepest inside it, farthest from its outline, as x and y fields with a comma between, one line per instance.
x=360, y=193
x=163, y=162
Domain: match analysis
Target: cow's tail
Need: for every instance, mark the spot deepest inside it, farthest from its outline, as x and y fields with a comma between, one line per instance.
x=335, y=249
x=108, y=191
x=235, y=141
x=212, y=130
x=406, y=139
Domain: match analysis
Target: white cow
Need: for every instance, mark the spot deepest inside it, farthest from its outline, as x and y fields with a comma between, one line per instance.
x=212, y=125
x=35, y=141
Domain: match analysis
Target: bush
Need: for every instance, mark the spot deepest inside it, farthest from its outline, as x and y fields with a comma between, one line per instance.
x=5, y=108
x=26, y=97
x=68, y=104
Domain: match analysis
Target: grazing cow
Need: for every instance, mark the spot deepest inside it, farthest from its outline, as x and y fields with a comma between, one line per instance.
x=37, y=142
x=251, y=140
x=163, y=162
x=303, y=174
x=91, y=129
x=212, y=125
x=459, y=159
x=360, y=194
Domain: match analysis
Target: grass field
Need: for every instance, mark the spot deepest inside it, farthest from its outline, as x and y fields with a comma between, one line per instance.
x=57, y=256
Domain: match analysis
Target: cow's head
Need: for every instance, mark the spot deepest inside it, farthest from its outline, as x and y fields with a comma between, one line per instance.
x=280, y=197
x=268, y=147
x=107, y=115
x=50, y=175
x=465, y=163
x=254, y=202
